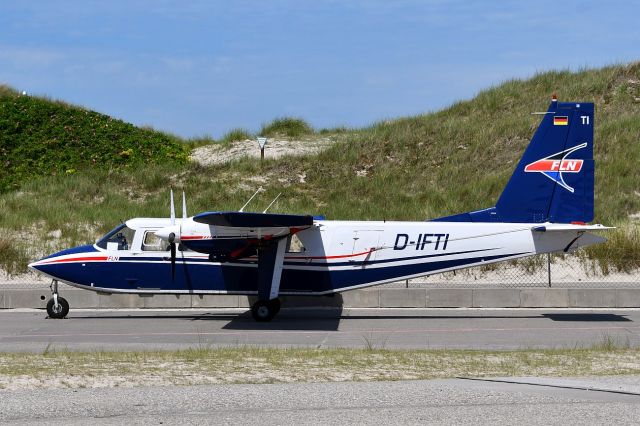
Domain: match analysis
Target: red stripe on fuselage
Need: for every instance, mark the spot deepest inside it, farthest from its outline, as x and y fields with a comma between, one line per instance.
x=342, y=256
x=76, y=259
x=105, y=258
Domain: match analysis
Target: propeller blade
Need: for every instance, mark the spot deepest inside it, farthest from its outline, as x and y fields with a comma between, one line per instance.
x=173, y=261
x=173, y=210
x=172, y=246
x=184, y=206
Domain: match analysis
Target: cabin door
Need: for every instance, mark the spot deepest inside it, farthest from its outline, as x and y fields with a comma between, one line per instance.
x=365, y=243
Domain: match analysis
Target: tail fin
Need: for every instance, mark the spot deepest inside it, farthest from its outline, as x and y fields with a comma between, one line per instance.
x=554, y=180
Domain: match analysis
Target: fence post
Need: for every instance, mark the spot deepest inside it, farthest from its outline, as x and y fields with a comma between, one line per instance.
x=549, y=268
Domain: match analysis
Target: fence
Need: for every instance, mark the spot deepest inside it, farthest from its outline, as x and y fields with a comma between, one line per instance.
x=556, y=271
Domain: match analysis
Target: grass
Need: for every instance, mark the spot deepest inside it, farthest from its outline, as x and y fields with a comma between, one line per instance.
x=204, y=365
x=14, y=257
x=415, y=168
x=620, y=254
x=287, y=126
x=40, y=137
x=236, y=135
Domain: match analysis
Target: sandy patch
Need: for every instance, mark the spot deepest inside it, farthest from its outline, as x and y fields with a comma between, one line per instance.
x=209, y=155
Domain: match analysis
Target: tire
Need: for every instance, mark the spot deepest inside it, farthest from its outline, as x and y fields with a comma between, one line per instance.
x=61, y=312
x=276, y=304
x=263, y=311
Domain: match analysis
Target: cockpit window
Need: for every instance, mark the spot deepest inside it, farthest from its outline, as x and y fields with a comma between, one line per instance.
x=119, y=238
x=152, y=243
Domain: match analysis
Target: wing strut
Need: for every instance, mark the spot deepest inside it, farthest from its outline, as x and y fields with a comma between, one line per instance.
x=270, y=261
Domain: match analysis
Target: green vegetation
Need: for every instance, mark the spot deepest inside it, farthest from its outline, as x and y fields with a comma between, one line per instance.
x=39, y=137
x=199, y=141
x=414, y=168
x=53, y=369
x=236, y=135
x=14, y=256
x=289, y=127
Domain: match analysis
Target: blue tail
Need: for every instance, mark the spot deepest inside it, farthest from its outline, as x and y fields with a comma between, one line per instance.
x=553, y=182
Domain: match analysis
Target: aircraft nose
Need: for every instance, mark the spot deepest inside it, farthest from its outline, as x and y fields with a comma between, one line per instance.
x=38, y=265
x=44, y=264
x=165, y=233
x=34, y=265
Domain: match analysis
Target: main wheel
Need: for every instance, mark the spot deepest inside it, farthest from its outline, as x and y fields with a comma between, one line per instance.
x=61, y=311
x=275, y=303
x=265, y=310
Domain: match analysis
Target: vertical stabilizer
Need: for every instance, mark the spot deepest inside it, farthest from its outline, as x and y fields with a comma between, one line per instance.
x=554, y=180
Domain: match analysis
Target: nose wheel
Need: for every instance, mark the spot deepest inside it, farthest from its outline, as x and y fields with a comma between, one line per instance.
x=57, y=307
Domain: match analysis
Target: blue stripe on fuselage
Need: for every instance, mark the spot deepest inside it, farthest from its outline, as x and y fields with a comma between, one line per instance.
x=239, y=278
x=306, y=261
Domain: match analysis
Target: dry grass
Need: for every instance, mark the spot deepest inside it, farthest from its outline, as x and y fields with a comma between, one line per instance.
x=260, y=365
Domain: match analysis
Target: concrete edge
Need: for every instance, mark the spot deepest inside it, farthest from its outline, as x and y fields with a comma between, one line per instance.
x=364, y=298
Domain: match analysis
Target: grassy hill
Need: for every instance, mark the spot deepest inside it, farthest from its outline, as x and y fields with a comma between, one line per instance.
x=414, y=168
x=39, y=137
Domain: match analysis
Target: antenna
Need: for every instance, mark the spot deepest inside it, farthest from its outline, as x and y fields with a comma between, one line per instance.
x=274, y=200
x=247, y=203
x=184, y=206
x=173, y=210
x=554, y=99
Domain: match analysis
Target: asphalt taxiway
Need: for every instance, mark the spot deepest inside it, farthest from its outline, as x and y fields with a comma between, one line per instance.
x=143, y=329
x=548, y=401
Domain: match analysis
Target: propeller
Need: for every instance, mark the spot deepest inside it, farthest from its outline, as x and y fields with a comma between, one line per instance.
x=172, y=232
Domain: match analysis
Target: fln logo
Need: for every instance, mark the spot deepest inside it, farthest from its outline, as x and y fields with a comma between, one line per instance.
x=556, y=164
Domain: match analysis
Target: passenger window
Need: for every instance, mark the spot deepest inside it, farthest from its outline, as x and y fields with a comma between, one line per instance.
x=151, y=242
x=294, y=245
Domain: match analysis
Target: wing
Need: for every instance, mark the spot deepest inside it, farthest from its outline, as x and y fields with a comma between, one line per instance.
x=254, y=220
x=235, y=235
x=255, y=233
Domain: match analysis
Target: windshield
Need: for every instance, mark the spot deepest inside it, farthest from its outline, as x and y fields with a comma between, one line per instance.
x=120, y=235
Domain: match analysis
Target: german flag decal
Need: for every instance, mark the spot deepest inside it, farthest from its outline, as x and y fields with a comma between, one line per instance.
x=560, y=120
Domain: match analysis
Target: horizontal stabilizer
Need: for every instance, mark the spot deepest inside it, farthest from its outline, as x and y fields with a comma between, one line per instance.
x=555, y=227
x=254, y=220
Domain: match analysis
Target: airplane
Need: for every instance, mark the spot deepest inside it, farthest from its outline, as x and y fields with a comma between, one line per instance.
x=545, y=207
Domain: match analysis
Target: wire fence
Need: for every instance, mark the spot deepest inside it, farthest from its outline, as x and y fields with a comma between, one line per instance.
x=555, y=271
x=559, y=271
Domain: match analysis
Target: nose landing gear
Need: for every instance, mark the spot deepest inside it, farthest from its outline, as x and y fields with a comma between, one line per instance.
x=57, y=307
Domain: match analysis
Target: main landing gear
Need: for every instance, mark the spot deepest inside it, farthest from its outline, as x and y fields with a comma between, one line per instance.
x=57, y=307
x=265, y=310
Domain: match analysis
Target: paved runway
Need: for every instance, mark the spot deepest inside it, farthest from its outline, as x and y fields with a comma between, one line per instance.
x=611, y=401
x=28, y=330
